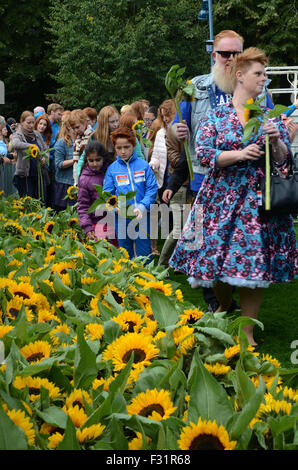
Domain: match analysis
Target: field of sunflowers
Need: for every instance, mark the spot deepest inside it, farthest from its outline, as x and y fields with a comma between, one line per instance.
x=101, y=352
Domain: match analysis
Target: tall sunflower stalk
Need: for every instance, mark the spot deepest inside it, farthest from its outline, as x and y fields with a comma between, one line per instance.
x=179, y=90
x=33, y=152
x=253, y=115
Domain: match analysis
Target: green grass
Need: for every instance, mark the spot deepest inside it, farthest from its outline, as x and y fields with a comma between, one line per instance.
x=278, y=314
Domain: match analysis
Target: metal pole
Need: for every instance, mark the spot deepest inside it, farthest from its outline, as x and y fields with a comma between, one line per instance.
x=210, y=27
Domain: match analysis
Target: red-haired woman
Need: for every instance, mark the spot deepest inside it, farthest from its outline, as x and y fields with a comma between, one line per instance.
x=43, y=126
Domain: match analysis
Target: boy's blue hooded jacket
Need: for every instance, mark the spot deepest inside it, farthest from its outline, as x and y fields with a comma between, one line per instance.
x=133, y=175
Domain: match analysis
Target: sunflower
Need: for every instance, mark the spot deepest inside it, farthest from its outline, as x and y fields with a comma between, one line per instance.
x=94, y=331
x=72, y=192
x=233, y=351
x=152, y=404
x=111, y=203
x=117, y=294
x=90, y=433
x=290, y=393
x=87, y=280
x=22, y=289
x=13, y=228
x=61, y=268
x=268, y=379
x=54, y=440
x=73, y=221
x=57, y=333
x=129, y=321
x=37, y=351
x=38, y=235
x=273, y=406
x=45, y=316
x=190, y=316
x=14, y=307
x=94, y=307
x=102, y=381
x=19, y=418
x=246, y=114
x=179, y=295
x=138, y=125
x=184, y=338
x=165, y=289
x=4, y=329
x=121, y=349
x=217, y=368
x=205, y=435
x=272, y=360
x=77, y=398
x=137, y=442
x=34, y=385
x=33, y=150
x=49, y=227
x=149, y=328
x=77, y=415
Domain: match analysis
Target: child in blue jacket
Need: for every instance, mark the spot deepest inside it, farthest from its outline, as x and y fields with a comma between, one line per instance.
x=130, y=173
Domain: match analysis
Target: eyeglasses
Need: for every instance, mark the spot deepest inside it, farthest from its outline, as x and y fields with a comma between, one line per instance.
x=227, y=54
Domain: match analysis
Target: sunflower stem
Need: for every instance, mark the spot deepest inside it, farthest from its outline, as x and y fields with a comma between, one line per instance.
x=267, y=174
x=185, y=143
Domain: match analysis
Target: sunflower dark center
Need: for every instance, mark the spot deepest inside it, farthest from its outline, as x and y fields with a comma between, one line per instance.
x=117, y=297
x=148, y=410
x=50, y=228
x=35, y=357
x=192, y=320
x=113, y=201
x=206, y=442
x=34, y=391
x=131, y=326
x=22, y=294
x=139, y=355
x=78, y=403
x=14, y=312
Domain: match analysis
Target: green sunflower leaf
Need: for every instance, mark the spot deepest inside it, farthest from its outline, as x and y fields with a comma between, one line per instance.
x=11, y=436
x=208, y=398
x=163, y=309
x=85, y=368
x=249, y=410
x=70, y=441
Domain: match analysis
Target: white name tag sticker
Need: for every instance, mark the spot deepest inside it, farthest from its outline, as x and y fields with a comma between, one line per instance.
x=139, y=176
x=122, y=180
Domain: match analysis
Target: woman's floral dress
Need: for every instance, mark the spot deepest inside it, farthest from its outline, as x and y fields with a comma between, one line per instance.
x=225, y=237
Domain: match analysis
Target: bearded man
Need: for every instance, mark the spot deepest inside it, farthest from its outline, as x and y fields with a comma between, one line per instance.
x=212, y=90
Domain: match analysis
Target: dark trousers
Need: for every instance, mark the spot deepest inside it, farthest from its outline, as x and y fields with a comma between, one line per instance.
x=28, y=186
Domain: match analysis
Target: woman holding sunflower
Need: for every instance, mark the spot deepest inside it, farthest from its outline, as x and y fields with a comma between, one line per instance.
x=227, y=241
x=26, y=174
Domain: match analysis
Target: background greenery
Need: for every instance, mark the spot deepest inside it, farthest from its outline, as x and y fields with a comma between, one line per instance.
x=97, y=53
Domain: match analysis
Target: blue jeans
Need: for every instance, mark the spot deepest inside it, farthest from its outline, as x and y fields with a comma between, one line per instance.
x=134, y=236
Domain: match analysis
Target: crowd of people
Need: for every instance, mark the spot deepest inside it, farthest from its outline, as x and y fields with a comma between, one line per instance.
x=240, y=247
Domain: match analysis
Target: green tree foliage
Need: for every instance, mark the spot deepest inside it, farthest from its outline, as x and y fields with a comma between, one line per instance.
x=24, y=55
x=270, y=25
x=116, y=52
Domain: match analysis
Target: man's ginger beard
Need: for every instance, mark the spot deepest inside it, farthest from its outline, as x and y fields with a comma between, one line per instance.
x=222, y=77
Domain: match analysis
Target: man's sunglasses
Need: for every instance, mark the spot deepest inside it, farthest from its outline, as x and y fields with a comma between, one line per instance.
x=227, y=54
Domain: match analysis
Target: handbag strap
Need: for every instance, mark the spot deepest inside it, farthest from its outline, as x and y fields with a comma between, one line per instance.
x=275, y=170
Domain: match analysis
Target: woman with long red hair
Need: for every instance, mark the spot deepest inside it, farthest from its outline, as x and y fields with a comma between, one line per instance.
x=43, y=125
